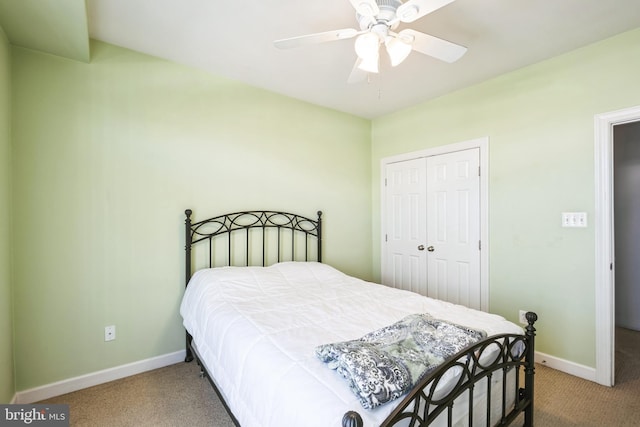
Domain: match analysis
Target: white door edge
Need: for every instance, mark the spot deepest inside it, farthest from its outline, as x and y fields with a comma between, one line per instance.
x=604, y=243
x=480, y=143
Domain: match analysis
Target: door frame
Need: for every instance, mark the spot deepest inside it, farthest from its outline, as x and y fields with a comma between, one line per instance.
x=483, y=145
x=604, y=241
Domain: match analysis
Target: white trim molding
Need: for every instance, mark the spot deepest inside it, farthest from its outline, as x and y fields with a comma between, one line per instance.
x=604, y=241
x=96, y=378
x=566, y=366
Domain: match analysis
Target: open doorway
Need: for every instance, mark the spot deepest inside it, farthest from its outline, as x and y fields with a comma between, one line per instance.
x=605, y=263
x=626, y=213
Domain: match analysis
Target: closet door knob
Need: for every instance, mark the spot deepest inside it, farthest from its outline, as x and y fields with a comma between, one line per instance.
x=431, y=249
x=421, y=248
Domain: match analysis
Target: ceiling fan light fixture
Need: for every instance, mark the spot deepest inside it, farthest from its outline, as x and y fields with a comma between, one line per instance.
x=378, y=20
x=367, y=46
x=397, y=49
x=370, y=65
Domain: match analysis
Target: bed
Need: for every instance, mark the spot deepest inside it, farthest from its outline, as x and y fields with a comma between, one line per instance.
x=278, y=334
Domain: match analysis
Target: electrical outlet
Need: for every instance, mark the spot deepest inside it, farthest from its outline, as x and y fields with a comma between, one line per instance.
x=109, y=333
x=523, y=317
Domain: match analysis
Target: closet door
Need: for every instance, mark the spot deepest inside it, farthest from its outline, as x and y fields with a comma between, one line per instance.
x=453, y=227
x=406, y=191
x=432, y=223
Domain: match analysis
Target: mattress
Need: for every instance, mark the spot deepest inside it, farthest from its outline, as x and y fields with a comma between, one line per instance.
x=256, y=330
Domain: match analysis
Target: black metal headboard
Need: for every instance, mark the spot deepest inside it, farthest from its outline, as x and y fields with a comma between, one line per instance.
x=300, y=230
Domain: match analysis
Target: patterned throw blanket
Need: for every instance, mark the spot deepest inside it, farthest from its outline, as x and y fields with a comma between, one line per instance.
x=385, y=364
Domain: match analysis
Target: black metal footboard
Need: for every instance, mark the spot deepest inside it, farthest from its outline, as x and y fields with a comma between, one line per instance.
x=474, y=368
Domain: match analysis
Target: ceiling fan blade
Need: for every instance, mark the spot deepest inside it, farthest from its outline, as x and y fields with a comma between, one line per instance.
x=357, y=75
x=416, y=9
x=433, y=46
x=327, y=36
x=367, y=8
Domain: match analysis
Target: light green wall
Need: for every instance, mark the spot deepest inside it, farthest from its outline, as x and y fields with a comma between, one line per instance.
x=58, y=27
x=540, y=121
x=107, y=156
x=7, y=388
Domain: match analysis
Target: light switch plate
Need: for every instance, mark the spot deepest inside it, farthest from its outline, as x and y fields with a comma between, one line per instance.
x=574, y=219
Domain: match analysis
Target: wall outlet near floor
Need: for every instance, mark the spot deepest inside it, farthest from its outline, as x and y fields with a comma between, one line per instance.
x=522, y=315
x=109, y=333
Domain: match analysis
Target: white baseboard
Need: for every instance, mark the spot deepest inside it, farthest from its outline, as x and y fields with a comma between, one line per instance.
x=118, y=372
x=95, y=378
x=566, y=366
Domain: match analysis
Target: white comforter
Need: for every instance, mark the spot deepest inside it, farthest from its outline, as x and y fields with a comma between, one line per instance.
x=256, y=329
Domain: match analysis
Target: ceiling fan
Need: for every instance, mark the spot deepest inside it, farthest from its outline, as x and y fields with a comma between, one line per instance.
x=378, y=19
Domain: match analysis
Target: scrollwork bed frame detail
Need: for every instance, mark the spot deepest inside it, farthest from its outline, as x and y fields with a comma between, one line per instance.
x=420, y=407
x=227, y=224
x=515, y=352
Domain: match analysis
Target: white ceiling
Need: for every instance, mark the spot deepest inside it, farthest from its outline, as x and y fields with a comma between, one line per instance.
x=234, y=39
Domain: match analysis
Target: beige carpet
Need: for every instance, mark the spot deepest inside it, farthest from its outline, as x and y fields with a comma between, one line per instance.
x=177, y=396
x=563, y=400
x=172, y=396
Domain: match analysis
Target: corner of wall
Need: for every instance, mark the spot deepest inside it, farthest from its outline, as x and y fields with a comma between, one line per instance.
x=7, y=356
